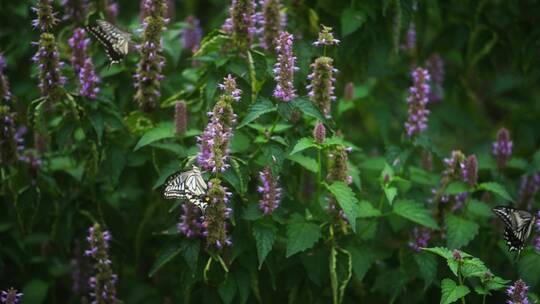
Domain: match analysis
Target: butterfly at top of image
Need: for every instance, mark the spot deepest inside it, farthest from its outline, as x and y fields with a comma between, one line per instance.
x=116, y=42
x=187, y=185
x=518, y=226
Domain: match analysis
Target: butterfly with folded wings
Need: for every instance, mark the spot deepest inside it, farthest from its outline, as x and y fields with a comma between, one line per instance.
x=187, y=185
x=518, y=226
x=116, y=42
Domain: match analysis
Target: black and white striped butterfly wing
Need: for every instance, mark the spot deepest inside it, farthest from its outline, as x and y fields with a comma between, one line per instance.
x=174, y=187
x=519, y=225
x=194, y=182
x=115, y=41
x=189, y=185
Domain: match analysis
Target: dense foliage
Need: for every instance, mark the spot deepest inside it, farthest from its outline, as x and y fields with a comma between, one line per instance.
x=353, y=151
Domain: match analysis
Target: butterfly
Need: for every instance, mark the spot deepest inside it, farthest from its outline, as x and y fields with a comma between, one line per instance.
x=115, y=41
x=187, y=185
x=518, y=226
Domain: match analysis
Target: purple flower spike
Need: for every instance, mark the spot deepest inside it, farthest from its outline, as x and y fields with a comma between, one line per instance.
x=518, y=293
x=47, y=58
x=326, y=37
x=270, y=190
x=410, y=39
x=471, y=171
x=285, y=68
x=435, y=66
x=417, y=101
x=230, y=88
x=190, y=221
x=88, y=80
x=9, y=143
x=75, y=10
x=5, y=94
x=527, y=190
x=79, y=48
x=241, y=23
x=537, y=239
x=420, y=238
x=272, y=21
x=502, y=148
x=46, y=17
x=321, y=89
x=180, y=117
x=319, y=133
x=10, y=296
x=192, y=35
x=216, y=215
x=338, y=168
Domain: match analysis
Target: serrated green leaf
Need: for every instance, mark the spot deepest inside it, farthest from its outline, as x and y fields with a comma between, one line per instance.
x=227, y=289
x=415, y=212
x=346, y=200
x=265, y=235
x=301, y=235
x=161, y=131
x=365, y=210
x=495, y=188
x=164, y=257
x=304, y=161
x=460, y=231
x=307, y=107
x=340, y=272
x=479, y=208
x=390, y=193
x=303, y=144
x=427, y=264
x=456, y=187
x=351, y=20
x=362, y=259
x=452, y=292
x=262, y=106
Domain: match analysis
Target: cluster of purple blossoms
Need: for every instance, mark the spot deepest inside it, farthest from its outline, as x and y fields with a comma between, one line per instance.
x=216, y=215
x=456, y=170
x=214, y=142
x=10, y=296
x=518, y=293
x=270, y=190
x=272, y=22
x=420, y=238
x=147, y=7
x=46, y=17
x=435, y=66
x=88, y=80
x=190, y=221
x=527, y=190
x=47, y=58
x=8, y=139
x=410, y=38
x=82, y=64
x=103, y=283
x=241, y=23
x=5, y=94
x=192, y=34
x=75, y=10
x=502, y=148
x=284, y=68
x=180, y=117
x=319, y=132
x=417, y=101
x=326, y=37
x=321, y=89
x=537, y=239
x=338, y=170
x=149, y=76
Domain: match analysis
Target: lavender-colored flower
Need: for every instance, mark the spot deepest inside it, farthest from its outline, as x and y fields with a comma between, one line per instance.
x=5, y=94
x=319, y=132
x=417, y=101
x=111, y=10
x=270, y=190
x=502, y=148
x=230, y=88
x=457, y=169
x=192, y=34
x=410, y=38
x=180, y=117
x=470, y=174
x=46, y=17
x=241, y=24
x=10, y=296
x=272, y=21
x=321, y=89
x=348, y=91
x=420, y=238
x=527, y=190
x=518, y=293
x=435, y=66
x=285, y=68
x=103, y=283
x=190, y=221
x=537, y=239
x=149, y=76
x=75, y=10
x=47, y=58
x=146, y=6
x=326, y=37
x=79, y=48
x=216, y=215
x=88, y=80
x=338, y=168
x=8, y=139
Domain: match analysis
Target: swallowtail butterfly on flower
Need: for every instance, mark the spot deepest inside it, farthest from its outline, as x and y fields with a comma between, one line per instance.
x=187, y=185
x=115, y=41
x=518, y=226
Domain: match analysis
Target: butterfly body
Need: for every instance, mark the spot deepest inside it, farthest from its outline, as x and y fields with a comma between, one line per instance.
x=115, y=41
x=189, y=186
x=518, y=226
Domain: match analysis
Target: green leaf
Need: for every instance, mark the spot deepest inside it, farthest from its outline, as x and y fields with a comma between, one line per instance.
x=262, y=106
x=191, y=250
x=347, y=201
x=34, y=292
x=460, y=231
x=427, y=264
x=415, y=212
x=479, y=208
x=495, y=188
x=340, y=272
x=304, y=161
x=161, y=131
x=68, y=165
x=362, y=259
x=265, y=235
x=351, y=20
x=166, y=256
x=365, y=210
x=307, y=108
x=303, y=144
x=456, y=188
x=452, y=292
x=227, y=289
x=390, y=193
x=529, y=268
x=301, y=235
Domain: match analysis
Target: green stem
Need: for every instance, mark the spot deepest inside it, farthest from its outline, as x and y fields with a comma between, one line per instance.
x=460, y=279
x=252, y=77
x=319, y=174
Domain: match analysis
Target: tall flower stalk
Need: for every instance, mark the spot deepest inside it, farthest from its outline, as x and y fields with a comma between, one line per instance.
x=321, y=89
x=420, y=238
x=10, y=296
x=502, y=148
x=192, y=34
x=537, y=238
x=180, y=117
x=338, y=170
x=518, y=293
x=435, y=66
x=241, y=23
x=270, y=191
x=46, y=17
x=214, y=142
x=5, y=94
x=51, y=80
x=75, y=10
x=285, y=68
x=149, y=69
x=217, y=213
x=8, y=138
x=82, y=64
x=190, y=224
x=417, y=101
x=103, y=283
x=326, y=37
x=272, y=21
